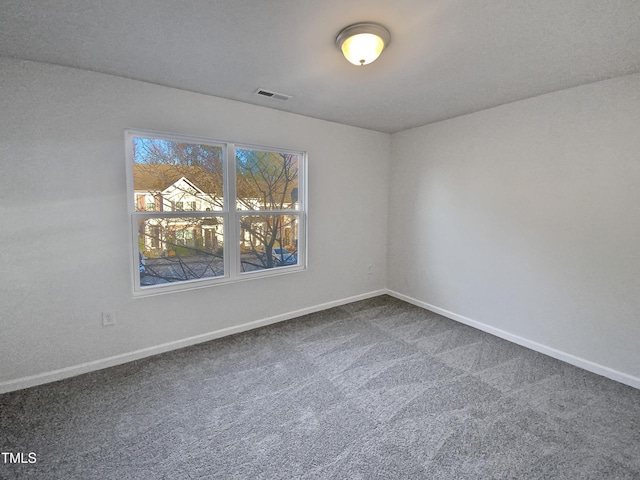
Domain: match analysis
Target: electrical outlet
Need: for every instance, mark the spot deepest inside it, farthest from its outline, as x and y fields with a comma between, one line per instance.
x=108, y=318
x=370, y=269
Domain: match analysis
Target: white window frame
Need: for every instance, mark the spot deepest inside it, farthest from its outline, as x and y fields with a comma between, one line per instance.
x=229, y=214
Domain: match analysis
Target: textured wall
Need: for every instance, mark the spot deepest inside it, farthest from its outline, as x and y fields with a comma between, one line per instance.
x=526, y=218
x=65, y=242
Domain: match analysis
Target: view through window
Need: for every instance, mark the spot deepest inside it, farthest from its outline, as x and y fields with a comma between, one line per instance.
x=207, y=211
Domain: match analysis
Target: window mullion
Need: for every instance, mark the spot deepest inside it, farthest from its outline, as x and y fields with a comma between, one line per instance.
x=232, y=246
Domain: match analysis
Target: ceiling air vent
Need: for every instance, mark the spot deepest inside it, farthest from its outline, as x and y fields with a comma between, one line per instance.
x=268, y=94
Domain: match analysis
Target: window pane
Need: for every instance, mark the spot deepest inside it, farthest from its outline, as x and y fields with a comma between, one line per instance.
x=178, y=249
x=173, y=176
x=266, y=180
x=268, y=241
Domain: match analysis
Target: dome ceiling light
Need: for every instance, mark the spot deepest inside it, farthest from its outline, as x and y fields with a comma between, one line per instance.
x=362, y=43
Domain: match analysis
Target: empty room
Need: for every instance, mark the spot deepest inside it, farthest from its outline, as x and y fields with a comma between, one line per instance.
x=320, y=240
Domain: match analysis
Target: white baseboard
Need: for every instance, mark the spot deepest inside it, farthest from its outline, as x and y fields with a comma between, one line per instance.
x=72, y=371
x=538, y=347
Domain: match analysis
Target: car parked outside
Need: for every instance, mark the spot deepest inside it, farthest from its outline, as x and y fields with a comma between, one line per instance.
x=282, y=257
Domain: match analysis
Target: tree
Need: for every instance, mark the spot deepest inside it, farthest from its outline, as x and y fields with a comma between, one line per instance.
x=268, y=181
x=160, y=163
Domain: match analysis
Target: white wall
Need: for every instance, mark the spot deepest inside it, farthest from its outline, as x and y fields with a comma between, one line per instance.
x=64, y=236
x=526, y=219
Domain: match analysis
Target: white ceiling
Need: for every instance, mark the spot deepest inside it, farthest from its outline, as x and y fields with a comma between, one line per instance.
x=446, y=57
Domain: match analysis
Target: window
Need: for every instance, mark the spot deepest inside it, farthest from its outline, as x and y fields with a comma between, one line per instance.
x=205, y=212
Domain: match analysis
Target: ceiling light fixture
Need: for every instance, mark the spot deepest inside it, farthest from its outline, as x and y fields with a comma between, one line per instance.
x=362, y=43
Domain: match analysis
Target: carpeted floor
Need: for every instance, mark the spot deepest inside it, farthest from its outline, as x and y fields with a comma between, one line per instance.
x=377, y=389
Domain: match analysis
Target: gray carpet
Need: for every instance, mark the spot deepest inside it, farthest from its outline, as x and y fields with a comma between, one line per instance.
x=374, y=389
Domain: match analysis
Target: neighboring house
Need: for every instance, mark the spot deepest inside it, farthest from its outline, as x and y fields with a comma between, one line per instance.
x=171, y=188
x=167, y=188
